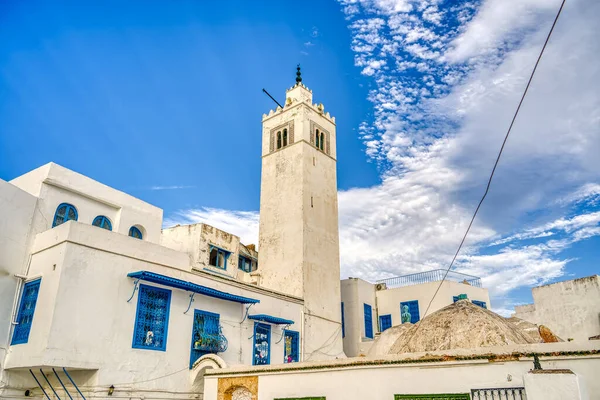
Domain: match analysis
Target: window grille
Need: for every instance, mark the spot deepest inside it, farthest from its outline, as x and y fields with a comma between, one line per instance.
x=343, y=324
x=218, y=257
x=102, y=222
x=26, y=311
x=368, y=321
x=292, y=347
x=413, y=309
x=135, y=232
x=480, y=303
x=262, y=344
x=516, y=393
x=207, y=337
x=385, y=322
x=152, y=318
x=64, y=212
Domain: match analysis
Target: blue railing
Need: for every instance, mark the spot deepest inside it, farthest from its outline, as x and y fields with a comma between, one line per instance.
x=430, y=276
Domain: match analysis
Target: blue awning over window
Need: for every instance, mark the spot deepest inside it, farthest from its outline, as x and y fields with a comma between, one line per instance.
x=189, y=286
x=270, y=319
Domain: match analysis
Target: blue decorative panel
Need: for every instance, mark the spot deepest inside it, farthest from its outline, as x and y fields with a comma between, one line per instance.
x=291, y=351
x=102, y=222
x=207, y=337
x=480, y=303
x=413, y=309
x=152, y=318
x=385, y=322
x=343, y=325
x=261, y=354
x=64, y=212
x=26, y=310
x=368, y=321
x=135, y=232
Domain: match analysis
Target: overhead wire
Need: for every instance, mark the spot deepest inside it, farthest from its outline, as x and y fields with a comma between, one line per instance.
x=493, y=169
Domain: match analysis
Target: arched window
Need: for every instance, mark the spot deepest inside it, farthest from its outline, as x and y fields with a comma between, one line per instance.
x=64, y=212
x=317, y=137
x=102, y=222
x=135, y=232
x=322, y=141
x=285, y=137
x=279, y=139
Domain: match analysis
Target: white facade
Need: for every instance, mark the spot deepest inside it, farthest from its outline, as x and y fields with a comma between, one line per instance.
x=386, y=302
x=571, y=309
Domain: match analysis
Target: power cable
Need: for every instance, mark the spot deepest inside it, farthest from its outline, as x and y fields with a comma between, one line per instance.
x=493, y=169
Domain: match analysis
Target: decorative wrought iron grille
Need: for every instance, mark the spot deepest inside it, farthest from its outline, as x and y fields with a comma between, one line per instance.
x=207, y=337
x=430, y=276
x=26, y=310
x=152, y=319
x=516, y=393
x=262, y=344
x=292, y=347
x=413, y=309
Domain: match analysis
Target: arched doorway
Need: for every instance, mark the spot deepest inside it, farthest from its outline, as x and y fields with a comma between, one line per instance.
x=199, y=368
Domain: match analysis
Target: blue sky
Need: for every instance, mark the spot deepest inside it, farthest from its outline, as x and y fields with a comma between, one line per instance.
x=162, y=99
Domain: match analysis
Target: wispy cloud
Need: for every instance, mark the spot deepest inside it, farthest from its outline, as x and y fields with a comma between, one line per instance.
x=309, y=44
x=314, y=32
x=171, y=187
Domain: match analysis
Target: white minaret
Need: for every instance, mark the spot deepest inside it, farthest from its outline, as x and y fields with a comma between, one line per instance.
x=298, y=239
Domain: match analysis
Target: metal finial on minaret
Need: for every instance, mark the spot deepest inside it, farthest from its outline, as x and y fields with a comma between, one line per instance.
x=298, y=75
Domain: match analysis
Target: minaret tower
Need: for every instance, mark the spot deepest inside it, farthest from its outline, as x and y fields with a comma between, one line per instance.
x=298, y=238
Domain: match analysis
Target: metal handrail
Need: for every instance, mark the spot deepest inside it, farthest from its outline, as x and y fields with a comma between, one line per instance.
x=431, y=276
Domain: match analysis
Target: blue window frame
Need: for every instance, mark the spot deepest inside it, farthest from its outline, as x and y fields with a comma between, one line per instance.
x=292, y=347
x=26, y=311
x=413, y=309
x=102, y=222
x=480, y=303
x=206, y=335
x=385, y=322
x=152, y=318
x=135, y=232
x=459, y=297
x=218, y=257
x=343, y=324
x=368, y=321
x=245, y=264
x=261, y=354
x=64, y=212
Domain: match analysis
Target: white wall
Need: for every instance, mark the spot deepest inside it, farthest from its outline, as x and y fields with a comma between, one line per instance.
x=83, y=320
x=355, y=294
x=16, y=217
x=388, y=301
x=571, y=309
x=54, y=185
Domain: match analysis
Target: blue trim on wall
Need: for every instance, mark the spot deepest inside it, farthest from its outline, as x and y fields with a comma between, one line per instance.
x=65, y=217
x=413, y=309
x=343, y=324
x=189, y=286
x=385, y=322
x=261, y=329
x=136, y=344
x=29, y=297
x=368, y=321
x=270, y=319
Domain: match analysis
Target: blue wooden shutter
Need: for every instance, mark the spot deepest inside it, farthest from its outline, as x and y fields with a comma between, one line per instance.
x=343, y=325
x=480, y=303
x=368, y=322
x=26, y=310
x=385, y=322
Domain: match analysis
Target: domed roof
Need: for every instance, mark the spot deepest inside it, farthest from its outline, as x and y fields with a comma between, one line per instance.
x=459, y=325
x=383, y=344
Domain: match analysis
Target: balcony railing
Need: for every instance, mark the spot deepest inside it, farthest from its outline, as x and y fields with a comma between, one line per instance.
x=430, y=276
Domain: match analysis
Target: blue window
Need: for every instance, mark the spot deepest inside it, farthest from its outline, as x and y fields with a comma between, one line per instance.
x=245, y=264
x=102, y=222
x=26, y=310
x=343, y=325
x=292, y=347
x=135, y=232
x=480, y=303
x=64, y=212
x=385, y=322
x=218, y=257
x=152, y=318
x=413, y=309
x=459, y=297
x=206, y=335
x=262, y=344
x=368, y=321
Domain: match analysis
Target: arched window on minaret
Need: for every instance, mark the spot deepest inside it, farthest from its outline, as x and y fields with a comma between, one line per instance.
x=279, y=140
x=317, y=138
x=322, y=141
x=285, y=139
